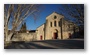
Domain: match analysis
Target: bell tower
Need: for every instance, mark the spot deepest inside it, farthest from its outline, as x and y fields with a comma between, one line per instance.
x=23, y=28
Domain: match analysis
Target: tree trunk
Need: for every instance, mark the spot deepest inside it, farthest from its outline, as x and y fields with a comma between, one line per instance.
x=6, y=33
x=9, y=37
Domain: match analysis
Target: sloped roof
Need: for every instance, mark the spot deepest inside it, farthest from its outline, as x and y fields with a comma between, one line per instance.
x=54, y=13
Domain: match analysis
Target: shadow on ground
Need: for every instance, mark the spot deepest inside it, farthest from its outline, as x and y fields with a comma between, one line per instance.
x=48, y=44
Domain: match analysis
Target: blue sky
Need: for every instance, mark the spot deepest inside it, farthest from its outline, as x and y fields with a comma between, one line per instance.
x=48, y=9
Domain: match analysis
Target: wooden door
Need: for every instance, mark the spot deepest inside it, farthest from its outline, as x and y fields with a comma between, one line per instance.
x=55, y=35
x=41, y=37
x=69, y=35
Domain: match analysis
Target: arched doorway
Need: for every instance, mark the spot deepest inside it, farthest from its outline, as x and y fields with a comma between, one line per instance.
x=55, y=34
x=69, y=35
x=41, y=37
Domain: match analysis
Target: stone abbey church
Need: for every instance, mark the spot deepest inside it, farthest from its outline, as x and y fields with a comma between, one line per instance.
x=55, y=27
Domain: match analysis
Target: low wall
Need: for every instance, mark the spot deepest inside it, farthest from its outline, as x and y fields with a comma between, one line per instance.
x=24, y=37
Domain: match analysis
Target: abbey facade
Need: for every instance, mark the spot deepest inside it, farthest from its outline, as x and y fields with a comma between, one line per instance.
x=55, y=27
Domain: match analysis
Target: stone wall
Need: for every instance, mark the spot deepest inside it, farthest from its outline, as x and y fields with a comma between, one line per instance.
x=24, y=37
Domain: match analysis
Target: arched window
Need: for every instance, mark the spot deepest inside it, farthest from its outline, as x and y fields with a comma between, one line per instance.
x=55, y=17
x=55, y=23
x=51, y=24
x=59, y=23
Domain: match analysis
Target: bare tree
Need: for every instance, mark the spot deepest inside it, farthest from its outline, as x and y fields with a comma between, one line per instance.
x=15, y=14
x=74, y=10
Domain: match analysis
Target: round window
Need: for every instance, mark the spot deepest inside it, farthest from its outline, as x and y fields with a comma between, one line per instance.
x=55, y=17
